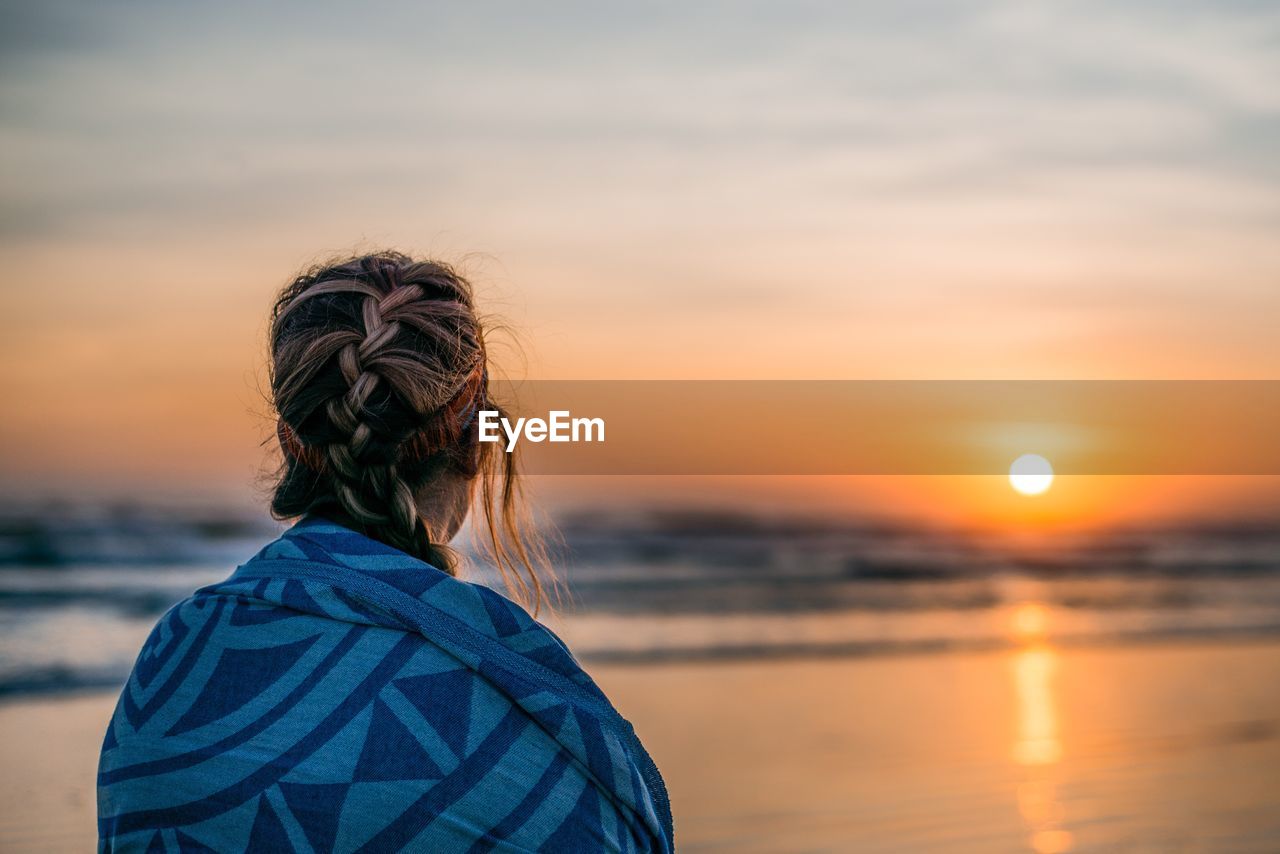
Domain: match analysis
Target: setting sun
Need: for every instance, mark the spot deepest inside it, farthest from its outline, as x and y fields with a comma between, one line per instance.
x=1031, y=474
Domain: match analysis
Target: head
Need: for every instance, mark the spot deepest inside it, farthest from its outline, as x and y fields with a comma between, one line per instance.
x=378, y=369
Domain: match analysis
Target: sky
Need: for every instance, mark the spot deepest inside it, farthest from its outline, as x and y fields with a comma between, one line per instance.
x=994, y=190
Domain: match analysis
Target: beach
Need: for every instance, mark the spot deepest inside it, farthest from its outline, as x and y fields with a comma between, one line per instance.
x=1152, y=747
x=878, y=400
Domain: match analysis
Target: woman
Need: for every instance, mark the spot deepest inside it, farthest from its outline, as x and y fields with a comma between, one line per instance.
x=342, y=690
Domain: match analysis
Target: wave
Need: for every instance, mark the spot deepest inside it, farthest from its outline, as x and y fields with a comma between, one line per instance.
x=918, y=646
x=81, y=585
x=63, y=534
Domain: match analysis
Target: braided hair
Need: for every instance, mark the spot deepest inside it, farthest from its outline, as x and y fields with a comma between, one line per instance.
x=378, y=368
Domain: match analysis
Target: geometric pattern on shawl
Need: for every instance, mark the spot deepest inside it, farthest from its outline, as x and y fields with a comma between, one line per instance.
x=337, y=694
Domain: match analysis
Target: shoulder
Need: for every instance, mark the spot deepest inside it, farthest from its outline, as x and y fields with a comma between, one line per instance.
x=497, y=775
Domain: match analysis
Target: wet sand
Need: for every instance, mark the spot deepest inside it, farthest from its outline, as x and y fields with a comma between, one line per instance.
x=1159, y=748
x=49, y=752
x=1169, y=748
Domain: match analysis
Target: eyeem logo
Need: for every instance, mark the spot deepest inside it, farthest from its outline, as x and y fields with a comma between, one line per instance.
x=558, y=426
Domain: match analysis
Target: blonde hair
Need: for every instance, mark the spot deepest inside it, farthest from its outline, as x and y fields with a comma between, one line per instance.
x=378, y=367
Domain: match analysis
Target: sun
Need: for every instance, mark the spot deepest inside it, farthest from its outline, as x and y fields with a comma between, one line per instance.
x=1030, y=474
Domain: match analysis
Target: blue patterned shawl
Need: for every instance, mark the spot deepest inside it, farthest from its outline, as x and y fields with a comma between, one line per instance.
x=336, y=694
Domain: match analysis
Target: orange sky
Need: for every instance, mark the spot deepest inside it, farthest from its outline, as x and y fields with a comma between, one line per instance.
x=1004, y=192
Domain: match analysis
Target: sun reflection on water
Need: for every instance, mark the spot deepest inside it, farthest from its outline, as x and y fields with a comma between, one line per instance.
x=1038, y=743
x=1030, y=621
x=1038, y=746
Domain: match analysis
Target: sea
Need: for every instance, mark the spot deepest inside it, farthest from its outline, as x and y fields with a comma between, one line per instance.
x=82, y=584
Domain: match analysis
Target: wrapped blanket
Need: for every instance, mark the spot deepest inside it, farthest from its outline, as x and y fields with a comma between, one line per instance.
x=336, y=694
